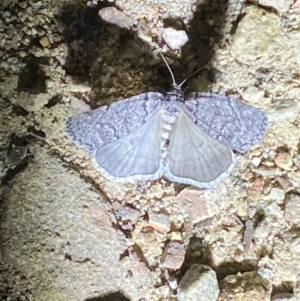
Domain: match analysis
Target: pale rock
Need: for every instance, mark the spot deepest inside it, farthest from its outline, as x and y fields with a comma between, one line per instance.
x=32, y=102
x=248, y=235
x=173, y=283
x=198, y=283
x=175, y=39
x=247, y=175
x=273, y=211
x=247, y=44
x=292, y=209
x=78, y=87
x=252, y=93
x=61, y=60
x=281, y=6
x=283, y=110
x=268, y=172
x=115, y=16
x=78, y=106
x=268, y=163
x=175, y=235
x=256, y=161
x=296, y=3
x=6, y=14
x=44, y=41
x=265, y=273
x=37, y=51
x=22, y=53
x=248, y=286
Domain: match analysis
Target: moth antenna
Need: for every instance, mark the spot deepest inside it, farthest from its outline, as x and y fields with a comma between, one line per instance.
x=170, y=70
x=192, y=75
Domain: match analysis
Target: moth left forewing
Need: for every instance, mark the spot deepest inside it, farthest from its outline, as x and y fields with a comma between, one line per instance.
x=228, y=120
x=79, y=128
x=136, y=156
x=107, y=124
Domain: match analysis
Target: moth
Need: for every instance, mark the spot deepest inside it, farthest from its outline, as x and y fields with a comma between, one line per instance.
x=187, y=140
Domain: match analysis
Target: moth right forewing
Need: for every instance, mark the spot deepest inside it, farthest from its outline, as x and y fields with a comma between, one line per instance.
x=228, y=120
x=195, y=158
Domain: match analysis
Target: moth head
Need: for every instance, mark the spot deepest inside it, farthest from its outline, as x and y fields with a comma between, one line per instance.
x=175, y=94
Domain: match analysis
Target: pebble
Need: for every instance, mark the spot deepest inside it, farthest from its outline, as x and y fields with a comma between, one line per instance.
x=256, y=153
x=281, y=6
x=159, y=221
x=270, y=172
x=284, y=110
x=256, y=161
x=61, y=60
x=163, y=291
x=44, y=41
x=37, y=51
x=256, y=189
x=277, y=195
x=286, y=184
x=247, y=175
x=265, y=273
x=190, y=198
x=175, y=39
x=173, y=283
x=7, y=3
x=244, y=46
x=173, y=255
x=34, y=31
x=284, y=297
x=248, y=235
x=22, y=53
x=175, y=235
x=198, y=283
x=268, y=163
x=295, y=178
x=248, y=286
x=23, y=4
x=292, y=209
x=297, y=4
x=143, y=31
x=78, y=106
x=284, y=161
x=4, y=65
x=31, y=102
x=80, y=87
x=114, y=16
x=6, y=14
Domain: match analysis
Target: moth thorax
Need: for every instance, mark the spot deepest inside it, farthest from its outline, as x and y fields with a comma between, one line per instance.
x=175, y=95
x=168, y=117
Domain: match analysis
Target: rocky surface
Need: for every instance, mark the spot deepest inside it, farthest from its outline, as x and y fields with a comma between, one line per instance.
x=69, y=234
